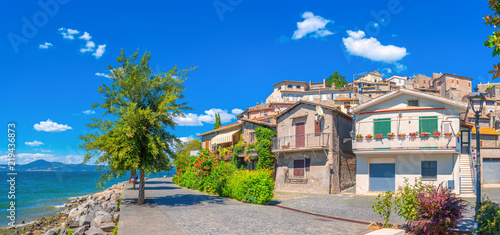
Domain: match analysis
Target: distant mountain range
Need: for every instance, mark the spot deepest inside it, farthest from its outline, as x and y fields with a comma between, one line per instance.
x=42, y=165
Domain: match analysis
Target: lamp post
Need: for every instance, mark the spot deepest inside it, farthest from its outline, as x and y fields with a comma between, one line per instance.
x=476, y=100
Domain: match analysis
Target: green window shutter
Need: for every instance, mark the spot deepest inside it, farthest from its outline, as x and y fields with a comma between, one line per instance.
x=428, y=124
x=382, y=126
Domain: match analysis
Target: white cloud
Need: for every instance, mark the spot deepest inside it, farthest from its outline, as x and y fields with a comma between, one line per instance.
x=88, y=112
x=314, y=25
x=51, y=126
x=385, y=71
x=102, y=75
x=100, y=50
x=237, y=111
x=46, y=45
x=371, y=48
x=186, y=139
x=192, y=119
x=24, y=158
x=400, y=68
x=89, y=46
x=68, y=33
x=189, y=119
x=45, y=150
x=85, y=36
x=71, y=159
x=33, y=143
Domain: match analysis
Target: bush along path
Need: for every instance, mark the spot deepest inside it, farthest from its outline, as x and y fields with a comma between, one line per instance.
x=92, y=214
x=208, y=172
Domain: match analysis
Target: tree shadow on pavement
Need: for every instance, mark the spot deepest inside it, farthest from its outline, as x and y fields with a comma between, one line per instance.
x=188, y=200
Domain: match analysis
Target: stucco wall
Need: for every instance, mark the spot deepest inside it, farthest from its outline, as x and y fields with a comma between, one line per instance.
x=488, y=140
x=409, y=166
x=317, y=178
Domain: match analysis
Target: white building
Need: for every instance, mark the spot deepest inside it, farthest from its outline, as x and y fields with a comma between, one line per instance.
x=397, y=80
x=391, y=155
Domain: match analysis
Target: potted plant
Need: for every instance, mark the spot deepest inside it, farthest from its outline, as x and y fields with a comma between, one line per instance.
x=379, y=136
x=401, y=135
x=448, y=134
x=436, y=133
x=359, y=136
x=391, y=135
x=413, y=134
x=424, y=134
x=369, y=136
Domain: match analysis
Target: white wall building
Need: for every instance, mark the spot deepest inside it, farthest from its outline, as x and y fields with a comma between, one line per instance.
x=391, y=155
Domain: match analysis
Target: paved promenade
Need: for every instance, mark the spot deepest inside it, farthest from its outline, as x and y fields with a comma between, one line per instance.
x=174, y=210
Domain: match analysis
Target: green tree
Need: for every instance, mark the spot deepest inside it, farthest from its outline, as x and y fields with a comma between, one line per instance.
x=263, y=146
x=217, y=123
x=336, y=79
x=183, y=150
x=142, y=106
x=494, y=40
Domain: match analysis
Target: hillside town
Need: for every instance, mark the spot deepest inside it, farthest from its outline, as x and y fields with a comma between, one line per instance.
x=372, y=133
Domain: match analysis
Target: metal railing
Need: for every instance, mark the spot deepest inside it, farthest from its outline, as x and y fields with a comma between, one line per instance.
x=318, y=139
x=407, y=142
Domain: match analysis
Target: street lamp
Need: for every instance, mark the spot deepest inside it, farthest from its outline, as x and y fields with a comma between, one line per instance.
x=476, y=100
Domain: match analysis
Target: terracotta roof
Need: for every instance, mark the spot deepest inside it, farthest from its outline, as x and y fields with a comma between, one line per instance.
x=296, y=82
x=466, y=124
x=222, y=128
x=258, y=122
x=485, y=131
x=449, y=74
x=334, y=108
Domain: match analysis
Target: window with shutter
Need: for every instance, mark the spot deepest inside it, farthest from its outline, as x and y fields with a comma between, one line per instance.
x=298, y=168
x=317, y=128
x=429, y=170
x=428, y=124
x=308, y=164
x=382, y=126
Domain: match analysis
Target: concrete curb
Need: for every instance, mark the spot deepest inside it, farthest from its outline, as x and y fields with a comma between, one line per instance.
x=325, y=216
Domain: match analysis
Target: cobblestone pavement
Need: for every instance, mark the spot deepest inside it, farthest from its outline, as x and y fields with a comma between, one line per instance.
x=175, y=210
x=360, y=207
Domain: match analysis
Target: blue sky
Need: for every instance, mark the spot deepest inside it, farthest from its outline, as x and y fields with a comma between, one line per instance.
x=52, y=53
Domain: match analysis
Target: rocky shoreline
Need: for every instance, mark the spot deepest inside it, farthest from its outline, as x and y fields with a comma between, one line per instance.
x=95, y=214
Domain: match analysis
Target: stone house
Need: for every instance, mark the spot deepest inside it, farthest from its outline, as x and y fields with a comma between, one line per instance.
x=224, y=136
x=489, y=141
x=313, y=152
x=388, y=150
x=453, y=86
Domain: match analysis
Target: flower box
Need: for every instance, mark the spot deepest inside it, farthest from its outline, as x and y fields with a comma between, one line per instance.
x=359, y=137
x=436, y=133
x=424, y=134
x=369, y=136
x=401, y=135
x=414, y=134
x=379, y=136
x=448, y=134
x=391, y=135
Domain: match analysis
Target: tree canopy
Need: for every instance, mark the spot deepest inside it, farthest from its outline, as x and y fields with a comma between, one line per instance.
x=183, y=150
x=494, y=40
x=217, y=123
x=336, y=79
x=140, y=107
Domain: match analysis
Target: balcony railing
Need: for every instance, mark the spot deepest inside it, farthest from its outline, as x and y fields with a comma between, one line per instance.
x=318, y=139
x=407, y=143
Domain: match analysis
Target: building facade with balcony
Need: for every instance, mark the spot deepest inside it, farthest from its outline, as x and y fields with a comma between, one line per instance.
x=313, y=152
x=411, y=134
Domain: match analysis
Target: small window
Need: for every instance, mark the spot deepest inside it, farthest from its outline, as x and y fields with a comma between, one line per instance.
x=290, y=86
x=298, y=168
x=323, y=96
x=317, y=128
x=457, y=81
x=298, y=87
x=469, y=84
x=311, y=97
x=429, y=170
x=413, y=103
x=370, y=95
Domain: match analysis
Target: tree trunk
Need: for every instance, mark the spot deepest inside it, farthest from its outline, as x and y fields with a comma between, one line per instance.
x=142, y=186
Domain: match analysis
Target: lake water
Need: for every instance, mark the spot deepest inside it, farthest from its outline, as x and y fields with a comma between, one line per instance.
x=40, y=193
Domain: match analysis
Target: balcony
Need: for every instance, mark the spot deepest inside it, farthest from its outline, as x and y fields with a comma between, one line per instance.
x=309, y=141
x=439, y=143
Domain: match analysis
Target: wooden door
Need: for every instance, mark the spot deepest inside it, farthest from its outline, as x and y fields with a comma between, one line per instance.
x=300, y=138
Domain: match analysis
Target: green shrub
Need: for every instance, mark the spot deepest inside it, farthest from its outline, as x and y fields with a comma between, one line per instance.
x=407, y=201
x=70, y=231
x=264, y=137
x=383, y=206
x=251, y=186
x=488, y=217
x=217, y=180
